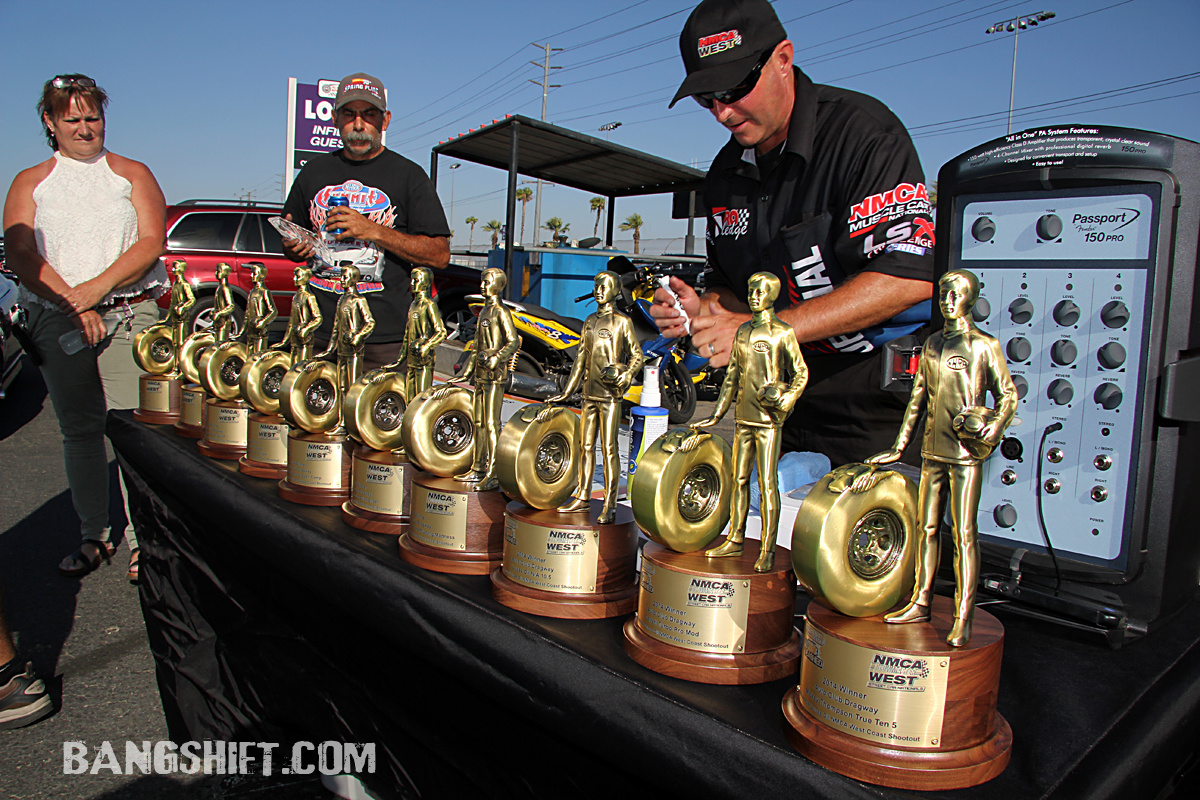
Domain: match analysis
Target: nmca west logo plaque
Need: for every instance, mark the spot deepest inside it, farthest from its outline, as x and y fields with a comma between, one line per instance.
x=898, y=673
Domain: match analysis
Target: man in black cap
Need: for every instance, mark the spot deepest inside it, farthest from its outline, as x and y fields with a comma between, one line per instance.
x=393, y=221
x=821, y=187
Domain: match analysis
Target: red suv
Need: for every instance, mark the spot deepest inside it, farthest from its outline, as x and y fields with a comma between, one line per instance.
x=205, y=233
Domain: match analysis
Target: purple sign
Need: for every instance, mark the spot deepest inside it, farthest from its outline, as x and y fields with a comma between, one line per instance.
x=316, y=130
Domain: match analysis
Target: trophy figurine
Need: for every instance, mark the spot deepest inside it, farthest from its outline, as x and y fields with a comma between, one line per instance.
x=261, y=378
x=577, y=560
x=450, y=435
x=318, y=468
x=737, y=605
x=225, y=427
x=381, y=482
x=945, y=656
x=156, y=349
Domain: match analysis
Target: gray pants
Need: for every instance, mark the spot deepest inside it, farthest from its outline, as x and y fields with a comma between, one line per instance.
x=82, y=388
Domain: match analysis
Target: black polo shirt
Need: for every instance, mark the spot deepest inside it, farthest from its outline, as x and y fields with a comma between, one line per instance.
x=845, y=194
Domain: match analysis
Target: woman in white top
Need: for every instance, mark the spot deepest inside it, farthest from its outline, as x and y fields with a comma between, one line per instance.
x=84, y=231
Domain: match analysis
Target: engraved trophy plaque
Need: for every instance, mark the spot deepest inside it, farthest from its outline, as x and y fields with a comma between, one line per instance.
x=193, y=413
x=907, y=698
x=261, y=381
x=566, y=554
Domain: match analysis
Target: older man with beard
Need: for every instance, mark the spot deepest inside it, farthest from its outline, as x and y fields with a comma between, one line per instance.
x=392, y=205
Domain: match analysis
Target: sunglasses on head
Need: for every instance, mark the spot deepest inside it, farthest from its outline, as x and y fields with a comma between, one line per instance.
x=63, y=81
x=707, y=99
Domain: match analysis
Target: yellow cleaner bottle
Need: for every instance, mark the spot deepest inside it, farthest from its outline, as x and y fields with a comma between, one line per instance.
x=648, y=421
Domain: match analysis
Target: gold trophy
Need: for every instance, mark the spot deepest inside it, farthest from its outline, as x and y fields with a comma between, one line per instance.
x=260, y=381
x=908, y=698
x=156, y=350
x=450, y=435
x=318, y=468
x=193, y=414
x=577, y=560
x=225, y=427
x=723, y=615
x=381, y=482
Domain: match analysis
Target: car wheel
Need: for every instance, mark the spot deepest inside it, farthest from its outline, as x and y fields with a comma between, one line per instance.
x=308, y=396
x=459, y=321
x=153, y=349
x=438, y=431
x=221, y=370
x=202, y=315
x=678, y=392
x=374, y=409
x=853, y=549
x=262, y=380
x=681, y=498
x=550, y=447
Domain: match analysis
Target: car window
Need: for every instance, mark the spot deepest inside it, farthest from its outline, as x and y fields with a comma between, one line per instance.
x=249, y=238
x=205, y=230
x=272, y=241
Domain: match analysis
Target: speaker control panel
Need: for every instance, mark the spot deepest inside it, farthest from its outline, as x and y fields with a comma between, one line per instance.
x=1067, y=303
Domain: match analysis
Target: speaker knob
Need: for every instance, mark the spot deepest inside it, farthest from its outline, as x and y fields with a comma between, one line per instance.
x=1115, y=314
x=1049, y=227
x=1066, y=313
x=1063, y=352
x=1111, y=355
x=1108, y=395
x=983, y=230
x=982, y=310
x=1021, y=310
x=1005, y=515
x=1022, y=386
x=1060, y=391
x=1019, y=349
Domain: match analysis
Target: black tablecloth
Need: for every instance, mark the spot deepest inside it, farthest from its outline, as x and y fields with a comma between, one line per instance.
x=275, y=622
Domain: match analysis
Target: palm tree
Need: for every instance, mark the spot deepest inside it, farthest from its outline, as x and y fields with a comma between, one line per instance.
x=524, y=195
x=634, y=223
x=557, y=227
x=471, y=221
x=493, y=226
x=598, y=207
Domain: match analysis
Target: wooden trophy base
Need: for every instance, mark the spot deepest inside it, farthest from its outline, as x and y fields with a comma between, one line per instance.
x=318, y=470
x=159, y=399
x=924, y=712
x=266, y=447
x=225, y=429
x=715, y=620
x=452, y=529
x=380, y=491
x=193, y=412
x=568, y=565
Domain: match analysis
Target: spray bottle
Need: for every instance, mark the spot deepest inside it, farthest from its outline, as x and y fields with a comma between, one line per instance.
x=649, y=420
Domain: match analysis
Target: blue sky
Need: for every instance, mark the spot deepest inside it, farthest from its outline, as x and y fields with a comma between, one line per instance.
x=198, y=90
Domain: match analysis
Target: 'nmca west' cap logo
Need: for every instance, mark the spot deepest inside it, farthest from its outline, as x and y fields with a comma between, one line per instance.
x=718, y=42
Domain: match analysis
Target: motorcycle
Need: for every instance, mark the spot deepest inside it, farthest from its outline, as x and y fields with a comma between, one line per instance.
x=550, y=343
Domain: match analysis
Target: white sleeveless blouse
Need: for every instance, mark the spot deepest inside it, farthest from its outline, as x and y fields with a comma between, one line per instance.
x=84, y=220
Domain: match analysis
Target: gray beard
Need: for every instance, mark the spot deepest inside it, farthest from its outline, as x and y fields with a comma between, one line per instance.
x=363, y=136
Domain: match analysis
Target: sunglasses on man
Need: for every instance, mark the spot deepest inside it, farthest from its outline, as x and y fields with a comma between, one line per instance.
x=63, y=81
x=708, y=99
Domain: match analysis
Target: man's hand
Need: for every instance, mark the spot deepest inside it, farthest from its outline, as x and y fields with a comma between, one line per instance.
x=296, y=249
x=886, y=457
x=713, y=332
x=353, y=225
x=666, y=316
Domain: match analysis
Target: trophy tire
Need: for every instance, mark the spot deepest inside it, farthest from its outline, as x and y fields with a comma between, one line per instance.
x=221, y=369
x=854, y=550
x=190, y=352
x=681, y=499
x=262, y=380
x=537, y=462
x=374, y=409
x=154, y=350
x=309, y=398
x=439, y=431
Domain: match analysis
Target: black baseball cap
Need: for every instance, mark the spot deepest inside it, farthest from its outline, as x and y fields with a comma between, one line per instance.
x=721, y=42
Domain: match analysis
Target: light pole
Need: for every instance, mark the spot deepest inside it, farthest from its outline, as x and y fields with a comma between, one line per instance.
x=452, y=168
x=1015, y=26
x=607, y=127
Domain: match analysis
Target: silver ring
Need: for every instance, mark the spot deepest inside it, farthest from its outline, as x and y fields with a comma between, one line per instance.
x=712, y=351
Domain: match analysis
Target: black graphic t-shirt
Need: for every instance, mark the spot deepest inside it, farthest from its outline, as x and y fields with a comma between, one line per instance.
x=845, y=194
x=391, y=191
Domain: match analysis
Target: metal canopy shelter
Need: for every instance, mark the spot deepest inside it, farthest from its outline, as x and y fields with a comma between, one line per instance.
x=538, y=149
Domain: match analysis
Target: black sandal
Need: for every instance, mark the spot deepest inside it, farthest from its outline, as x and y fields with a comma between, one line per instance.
x=132, y=574
x=80, y=563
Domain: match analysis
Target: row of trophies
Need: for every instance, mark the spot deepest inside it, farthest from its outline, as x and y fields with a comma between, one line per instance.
x=909, y=705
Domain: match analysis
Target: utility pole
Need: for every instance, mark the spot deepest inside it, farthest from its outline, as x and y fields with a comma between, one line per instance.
x=546, y=87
